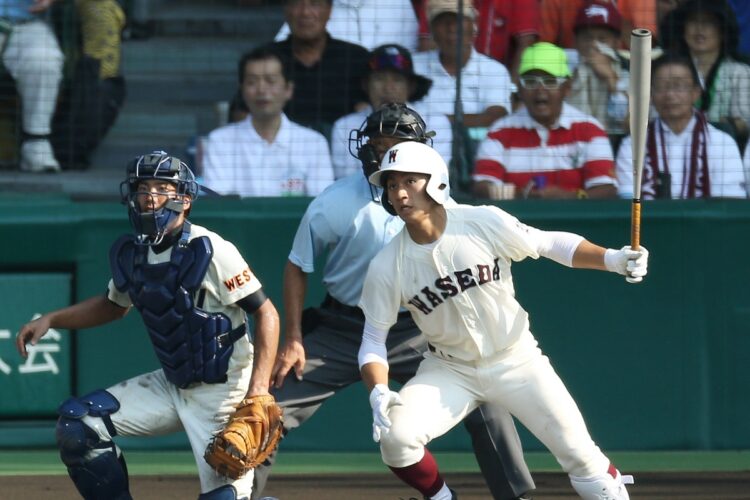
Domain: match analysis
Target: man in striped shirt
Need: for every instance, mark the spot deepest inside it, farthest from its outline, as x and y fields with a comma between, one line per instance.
x=547, y=149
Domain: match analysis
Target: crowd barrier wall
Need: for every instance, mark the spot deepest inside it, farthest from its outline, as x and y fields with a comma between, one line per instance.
x=658, y=365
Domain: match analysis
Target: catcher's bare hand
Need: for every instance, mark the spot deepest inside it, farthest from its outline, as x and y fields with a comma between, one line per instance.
x=249, y=437
x=31, y=332
x=291, y=355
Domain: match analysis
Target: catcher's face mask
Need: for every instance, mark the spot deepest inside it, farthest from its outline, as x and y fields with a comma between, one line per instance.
x=158, y=189
x=385, y=127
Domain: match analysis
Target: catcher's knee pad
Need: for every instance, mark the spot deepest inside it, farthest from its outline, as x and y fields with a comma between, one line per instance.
x=609, y=486
x=226, y=492
x=84, y=436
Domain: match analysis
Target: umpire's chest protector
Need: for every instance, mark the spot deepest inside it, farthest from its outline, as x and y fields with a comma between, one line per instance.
x=191, y=344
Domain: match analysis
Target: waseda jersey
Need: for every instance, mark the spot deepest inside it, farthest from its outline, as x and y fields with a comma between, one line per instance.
x=459, y=289
x=227, y=280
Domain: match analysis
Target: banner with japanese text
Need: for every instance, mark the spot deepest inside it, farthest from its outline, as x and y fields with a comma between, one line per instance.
x=34, y=386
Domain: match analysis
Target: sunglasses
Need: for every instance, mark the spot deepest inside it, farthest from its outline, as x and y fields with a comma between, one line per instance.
x=542, y=82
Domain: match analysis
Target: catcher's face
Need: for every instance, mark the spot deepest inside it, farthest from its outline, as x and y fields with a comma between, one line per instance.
x=152, y=194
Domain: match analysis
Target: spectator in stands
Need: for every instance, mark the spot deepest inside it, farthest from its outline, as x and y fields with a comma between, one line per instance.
x=548, y=149
x=238, y=109
x=32, y=56
x=504, y=29
x=559, y=16
x=485, y=83
x=706, y=31
x=390, y=79
x=686, y=157
x=92, y=97
x=266, y=154
x=601, y=79
x=370, y=23
x=747, y=170
x=327, y=72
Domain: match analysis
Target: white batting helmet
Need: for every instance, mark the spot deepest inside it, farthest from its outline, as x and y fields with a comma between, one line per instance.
x=414, y=157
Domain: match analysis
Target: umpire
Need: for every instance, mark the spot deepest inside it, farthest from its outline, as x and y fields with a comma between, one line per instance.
x=319, y=356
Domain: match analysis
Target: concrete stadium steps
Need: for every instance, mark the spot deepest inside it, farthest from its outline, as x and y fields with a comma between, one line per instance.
x=177, y=74
x=201, y=18
x=182, y=57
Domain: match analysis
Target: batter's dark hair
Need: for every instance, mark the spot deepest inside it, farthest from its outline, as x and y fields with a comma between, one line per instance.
x=261, y=54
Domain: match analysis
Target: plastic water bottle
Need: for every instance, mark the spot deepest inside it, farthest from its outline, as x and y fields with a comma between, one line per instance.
x=617, y=111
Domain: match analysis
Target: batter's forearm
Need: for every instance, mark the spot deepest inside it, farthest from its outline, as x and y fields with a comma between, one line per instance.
x=589, y=256
x=373, y=374
x=265, y=345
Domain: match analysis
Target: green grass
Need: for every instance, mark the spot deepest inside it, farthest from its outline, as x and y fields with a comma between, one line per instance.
x=45, y=462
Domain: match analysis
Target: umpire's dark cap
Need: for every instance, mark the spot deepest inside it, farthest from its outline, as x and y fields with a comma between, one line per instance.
x=397, y=58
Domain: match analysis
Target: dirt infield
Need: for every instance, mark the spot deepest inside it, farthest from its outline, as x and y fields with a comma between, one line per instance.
x=649, y=485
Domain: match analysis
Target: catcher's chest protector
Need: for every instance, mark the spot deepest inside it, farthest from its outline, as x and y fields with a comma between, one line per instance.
x=191, y=344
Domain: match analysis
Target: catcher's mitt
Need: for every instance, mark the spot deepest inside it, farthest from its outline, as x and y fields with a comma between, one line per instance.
x=251, y=434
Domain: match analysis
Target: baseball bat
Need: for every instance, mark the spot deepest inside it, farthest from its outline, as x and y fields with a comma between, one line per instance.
x=639, y=102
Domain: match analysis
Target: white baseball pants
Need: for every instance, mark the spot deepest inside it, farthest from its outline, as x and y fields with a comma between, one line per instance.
x=150, y=405
x=34, y=60
x=444, y=391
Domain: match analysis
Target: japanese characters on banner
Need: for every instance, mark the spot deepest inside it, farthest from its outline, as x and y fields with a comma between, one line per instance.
x=35, y=386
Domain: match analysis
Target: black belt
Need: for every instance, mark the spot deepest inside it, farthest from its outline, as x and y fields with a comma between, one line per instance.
x=334, y=305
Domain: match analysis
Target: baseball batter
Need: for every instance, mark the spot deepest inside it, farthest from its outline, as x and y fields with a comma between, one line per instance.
x=320, y=352
x=450, y=268
x=192, y=289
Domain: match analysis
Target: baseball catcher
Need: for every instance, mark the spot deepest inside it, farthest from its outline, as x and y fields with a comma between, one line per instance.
x=194, y=292
x=252, y=433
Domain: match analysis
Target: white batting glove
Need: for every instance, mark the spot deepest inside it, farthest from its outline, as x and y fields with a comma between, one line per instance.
x=381, y=400
x=633, y=264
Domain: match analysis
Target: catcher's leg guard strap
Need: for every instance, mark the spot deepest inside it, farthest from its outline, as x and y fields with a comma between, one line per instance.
x=226, y=492
x=84, y=436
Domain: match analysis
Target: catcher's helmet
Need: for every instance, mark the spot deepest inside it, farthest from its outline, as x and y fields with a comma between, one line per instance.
x=390, y=120
x=417, y=158
x=151, y=226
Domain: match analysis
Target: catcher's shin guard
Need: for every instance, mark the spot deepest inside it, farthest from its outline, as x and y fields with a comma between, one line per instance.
x=609, y=486
x=84, y=436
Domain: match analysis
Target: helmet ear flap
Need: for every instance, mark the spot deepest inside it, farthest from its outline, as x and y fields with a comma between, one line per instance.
x=384, y=200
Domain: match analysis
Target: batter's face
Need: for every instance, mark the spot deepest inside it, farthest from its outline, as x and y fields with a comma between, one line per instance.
x=388, y=86
x=407, y=194
x=264, y=88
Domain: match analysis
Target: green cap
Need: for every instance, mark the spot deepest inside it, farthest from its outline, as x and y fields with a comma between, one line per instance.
x=545, y=56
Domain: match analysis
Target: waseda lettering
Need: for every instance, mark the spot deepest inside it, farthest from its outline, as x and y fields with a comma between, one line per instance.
x=450, y=286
